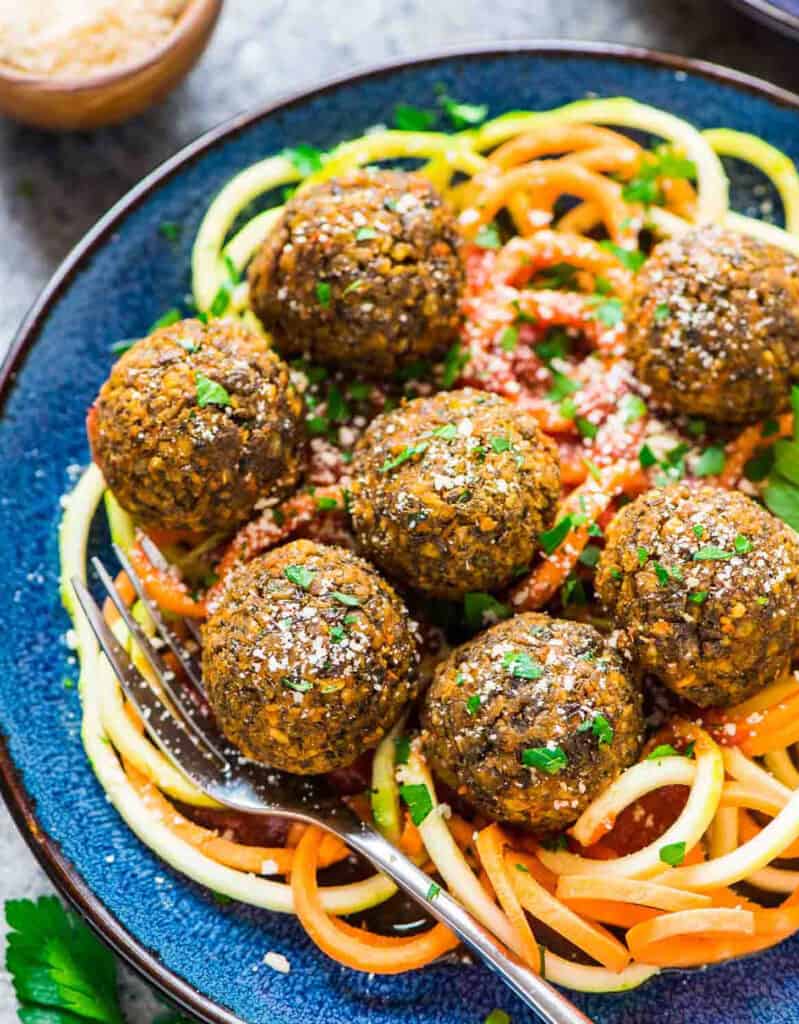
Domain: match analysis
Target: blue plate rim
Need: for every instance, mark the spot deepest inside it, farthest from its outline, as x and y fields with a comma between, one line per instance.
x=60, y=871
x=771, y=15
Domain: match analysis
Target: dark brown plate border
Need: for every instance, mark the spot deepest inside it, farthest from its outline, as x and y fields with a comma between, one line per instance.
x=60, y=871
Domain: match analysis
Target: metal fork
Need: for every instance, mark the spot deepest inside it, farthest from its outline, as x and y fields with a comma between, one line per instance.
x=193, y=743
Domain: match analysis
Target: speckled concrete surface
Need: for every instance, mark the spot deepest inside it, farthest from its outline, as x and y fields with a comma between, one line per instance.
x=53, y=188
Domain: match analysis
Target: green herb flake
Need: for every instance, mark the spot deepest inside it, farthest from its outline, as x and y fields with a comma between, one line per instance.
x=562, y=387
x=404, y=456
x=300, y=575
x=447, y=432
x=417, y=799
x=170, y=230
x=698, y=597
x=500, y=444
x=761, y=599
x=349, y=600
x=710, y=553
x=632, y=408
x=454, y=362
x=479, y=608
x=413, y=119
x=326, y=504
x=172, y=316
x=298, y=685
x=323, y=294
x=305, y=159
x=711, y=461
x=662, y=574
x=365, y=233
x=551, y=540
x=698, y=531
x=647, y=457
x=661, y=751
x=662, y=312
x=509, y=339
x=551, y=760
x=402, y=749
x=338, y=634
x=587, y=428
x=609, y=311
x=589, y=555
x=632, y=259
x=473, y=704
x=463, y=115
x=209, y=392
x=488, y=237
x=433, y=891
x=521, y=665
x=673, y=854
x=742, y=544
x=643, y=555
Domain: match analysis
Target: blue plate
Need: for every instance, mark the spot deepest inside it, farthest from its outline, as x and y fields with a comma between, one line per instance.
x=116, y=283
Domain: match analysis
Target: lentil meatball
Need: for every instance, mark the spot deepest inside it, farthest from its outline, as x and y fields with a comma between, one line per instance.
x=196, y=424
x=309, y=658
x=450, y=493
x=361, y=271
x=714, y=326
x=704, y=585
x=531, y=719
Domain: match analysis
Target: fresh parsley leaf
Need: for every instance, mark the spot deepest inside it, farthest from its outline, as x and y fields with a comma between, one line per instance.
x=172, y=316
x=402, y=749
x=509, y=339
x=647, y=457
x=417, y=799
x=698, y=597
x=562, y=387
x=479, y=608
x=306, y=159
x=662, y=311
x=488, y=237
x=608, y=311
x=300, y=575
x=551, y=760
x=710, y=553
x=711, y=461
x=663, y=750
x=338, y=634
x=786, y=460
x=61, y=973
x=407, y=453
x=448, y=432
x=433, y=891
x=632, y=408
x=326, y=504
x=551, y=540
x=298, y=685
x=556, y=345
x=632, y=259
x=500, y=444
x=454, y=361
x=673, y=854
x=413, y=119
x=323, y=294
x=365, y=233
x=742, y=544
x=473, y=704
x=587, y=428
x=589, y=555
x=600, y=727
x=782, y=498
x=209, y=392
x=521, y=665
x=350, y=600
x=463, y=115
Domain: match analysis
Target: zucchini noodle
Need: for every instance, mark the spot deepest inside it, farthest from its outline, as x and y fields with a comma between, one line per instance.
x=670, y=894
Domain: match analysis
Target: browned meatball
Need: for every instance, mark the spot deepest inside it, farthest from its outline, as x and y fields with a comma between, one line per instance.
x=450, y=493
x=196, y=424
x=704, y=585
x=714, y=326
x=309, y=658
x=362, y=271
x=532, y=719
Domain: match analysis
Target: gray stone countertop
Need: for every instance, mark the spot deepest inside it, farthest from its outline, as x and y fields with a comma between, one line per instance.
x=52, y=188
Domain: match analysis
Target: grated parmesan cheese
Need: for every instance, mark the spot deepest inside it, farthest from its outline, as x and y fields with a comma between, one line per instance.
x=71, y=38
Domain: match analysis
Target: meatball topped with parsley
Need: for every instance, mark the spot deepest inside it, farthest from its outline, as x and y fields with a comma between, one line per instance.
x=532, y=719
x=362, y=271
x=308, y=658
x=714, y=326
x=704, y=585
x=195, y=425
x=450, y=493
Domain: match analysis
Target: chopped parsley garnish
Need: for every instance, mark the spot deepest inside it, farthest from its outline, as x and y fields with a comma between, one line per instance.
x=644, y=187
x=595, y=530
x=632, y=408
x=608, y=311
x=325, y=504
x=551, y=540
x=600, y=727
x=300, y=575
x=166, y=319
x=632, y=259
x=417, y=799
x=413, y=119
x=647, y=457
x=698, y=597
x=473, y=704
x=710, y=553
x=170, y=230
x=323, y=294
x=351, y=619
x=306, y=159
x=615, y=574
x=433, y=891
x=742, y=544
x=402, y=749
x=546, y=759
x=509, y=339
x=521, y=665
x=463, y=115
x=673, y=854
x=643, y=555
x=365, y=233
x=346, y=599
x=500, y=443
x=662, y=750
x=488, y=237
x=711, y=461
x=338, y=634
x=662, y=312
x=761, y=599
x=298, y=685
x=556, y=345
x=404, y=456
x=587, y=428
x=454, y=361
x=558, y=276
x=589, y=555
x=562, y=387
x=209, y=392
x=662, y=574
x=448, y=432
x=698, y=531
x=573, y=591
x=478, y=608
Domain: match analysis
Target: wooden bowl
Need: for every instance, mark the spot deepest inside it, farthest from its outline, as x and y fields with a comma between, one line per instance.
x=113, y=95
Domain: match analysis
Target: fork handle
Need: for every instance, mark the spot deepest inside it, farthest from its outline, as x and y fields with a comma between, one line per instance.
x=541, y=997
